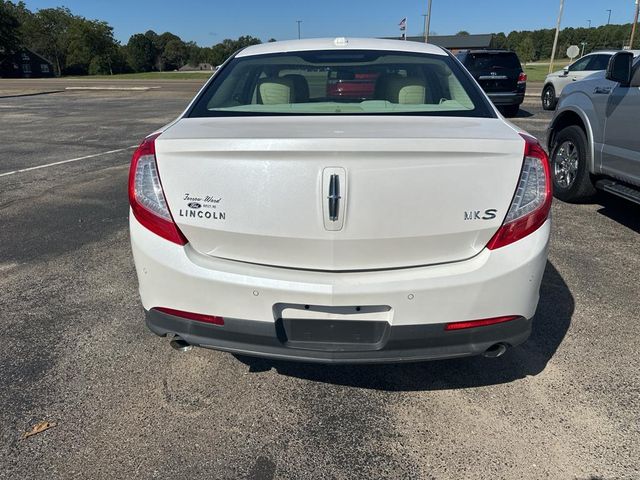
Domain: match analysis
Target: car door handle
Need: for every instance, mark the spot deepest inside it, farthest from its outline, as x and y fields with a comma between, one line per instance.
x=602, y=90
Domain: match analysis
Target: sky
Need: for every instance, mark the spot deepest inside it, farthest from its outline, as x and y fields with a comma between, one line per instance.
x=208, y=22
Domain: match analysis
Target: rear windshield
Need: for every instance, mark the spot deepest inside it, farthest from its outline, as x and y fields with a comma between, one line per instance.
x=342, y=83
x=492, y=61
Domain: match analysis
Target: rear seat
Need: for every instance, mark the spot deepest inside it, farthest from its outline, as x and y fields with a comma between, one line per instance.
x=290, y=88
x=276, y=91
x=402, y=90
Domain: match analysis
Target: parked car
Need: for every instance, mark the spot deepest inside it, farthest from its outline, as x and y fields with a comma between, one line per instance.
x=348, y=84
x=555, y=82
x=593, y=137
x=500, y=75
x=272, y=220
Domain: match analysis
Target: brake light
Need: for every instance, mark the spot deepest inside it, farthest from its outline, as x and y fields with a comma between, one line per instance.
x=531, y=203
x=198, y=317
x=478, y=323
x=146, y=196
x=522, y=78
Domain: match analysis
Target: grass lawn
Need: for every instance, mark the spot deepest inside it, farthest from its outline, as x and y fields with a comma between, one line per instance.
x=537, y=73
x=149, y=76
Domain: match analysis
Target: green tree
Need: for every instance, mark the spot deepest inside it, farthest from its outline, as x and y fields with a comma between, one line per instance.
x=91, y=47
x=525, y=49
x=499, y=40
x=9, y=27
x=141, y=53
x=463, y=33
x=175, y=54
x=47, y=32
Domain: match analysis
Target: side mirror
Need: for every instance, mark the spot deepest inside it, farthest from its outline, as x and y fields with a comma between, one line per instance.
x=620, y=67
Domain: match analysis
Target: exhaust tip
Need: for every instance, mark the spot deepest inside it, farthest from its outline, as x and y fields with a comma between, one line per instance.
x=180, y=345
x=495, y=351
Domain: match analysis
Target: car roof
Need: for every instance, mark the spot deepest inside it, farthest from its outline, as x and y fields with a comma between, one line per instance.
x=487, y=50
x=613, y=52
x=341, y=43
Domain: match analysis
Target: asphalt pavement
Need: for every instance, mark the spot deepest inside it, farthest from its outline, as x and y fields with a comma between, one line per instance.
x=75, y=350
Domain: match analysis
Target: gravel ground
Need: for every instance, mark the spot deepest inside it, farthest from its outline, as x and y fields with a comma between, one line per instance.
x=563, y=405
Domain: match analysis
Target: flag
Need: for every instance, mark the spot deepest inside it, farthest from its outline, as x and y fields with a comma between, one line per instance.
x=403, y=24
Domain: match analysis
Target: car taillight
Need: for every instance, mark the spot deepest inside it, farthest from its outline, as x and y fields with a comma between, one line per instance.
x=522, y=78
x=146, y=197
x=532, y=201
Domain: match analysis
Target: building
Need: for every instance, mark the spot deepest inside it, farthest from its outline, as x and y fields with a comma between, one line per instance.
x=24, y=63
x=201, y=67
x=455, y=43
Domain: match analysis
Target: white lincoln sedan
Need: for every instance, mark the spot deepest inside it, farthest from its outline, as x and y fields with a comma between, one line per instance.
x=341, y=200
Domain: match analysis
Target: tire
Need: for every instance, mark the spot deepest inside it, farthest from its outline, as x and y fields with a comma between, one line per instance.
x=569, y=162
x=510, y=110
x=548, y=97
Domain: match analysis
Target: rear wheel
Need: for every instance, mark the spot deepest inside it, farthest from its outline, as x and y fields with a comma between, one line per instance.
x=510, y=110
x=569, y=166
x=549, y=98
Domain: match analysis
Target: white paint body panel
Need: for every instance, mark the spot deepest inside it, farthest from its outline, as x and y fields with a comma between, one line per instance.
x=494, y=283
x=409, y=182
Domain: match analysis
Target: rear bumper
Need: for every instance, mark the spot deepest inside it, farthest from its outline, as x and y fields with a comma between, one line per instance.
x=417, y=301
x=508, y=98
x=404, y=343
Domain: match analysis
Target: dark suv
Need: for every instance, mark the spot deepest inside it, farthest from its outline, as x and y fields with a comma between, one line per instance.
x=500, y=75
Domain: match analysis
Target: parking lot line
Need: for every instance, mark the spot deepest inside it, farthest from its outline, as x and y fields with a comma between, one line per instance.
x=38, y=167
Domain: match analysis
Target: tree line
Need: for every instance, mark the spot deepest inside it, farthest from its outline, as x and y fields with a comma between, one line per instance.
x=537, y=44
x=79, y=46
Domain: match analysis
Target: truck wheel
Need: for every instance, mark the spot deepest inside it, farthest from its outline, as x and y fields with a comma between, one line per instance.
x=569, y=159
x=549, y=98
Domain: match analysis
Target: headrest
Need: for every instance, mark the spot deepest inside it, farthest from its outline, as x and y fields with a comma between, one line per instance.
x=406, y=90
x=276, y=91
x=301, y=87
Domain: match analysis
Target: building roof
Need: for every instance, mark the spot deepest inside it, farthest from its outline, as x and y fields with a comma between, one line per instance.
x=457, y=42
x=340, y=43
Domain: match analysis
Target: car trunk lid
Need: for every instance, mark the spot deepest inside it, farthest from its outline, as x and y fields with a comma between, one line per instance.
x=411, y=190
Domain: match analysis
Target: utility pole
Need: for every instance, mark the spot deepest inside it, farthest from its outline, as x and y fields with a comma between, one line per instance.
x=633, y=27
x=606, y=32
x=426, y=31
x=555, y=40
x=583, y=45
x=298, y=22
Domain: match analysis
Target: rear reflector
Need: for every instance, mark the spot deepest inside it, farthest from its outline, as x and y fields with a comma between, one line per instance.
x=198, y=317
x=479, y=323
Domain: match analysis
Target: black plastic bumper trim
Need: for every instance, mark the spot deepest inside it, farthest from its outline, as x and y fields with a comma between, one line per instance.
x=404, y=343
